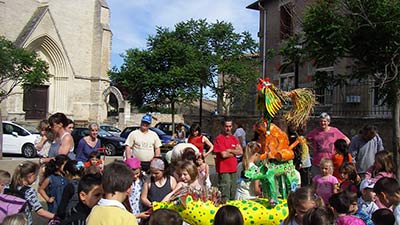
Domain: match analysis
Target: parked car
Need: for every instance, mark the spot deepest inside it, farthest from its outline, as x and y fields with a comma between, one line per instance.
x=167, y=127
x=166, y=140
x=112, y=143
x=110, y=128
x=19, y=139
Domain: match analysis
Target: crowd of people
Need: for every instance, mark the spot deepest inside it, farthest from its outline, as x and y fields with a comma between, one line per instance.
x=342, y=181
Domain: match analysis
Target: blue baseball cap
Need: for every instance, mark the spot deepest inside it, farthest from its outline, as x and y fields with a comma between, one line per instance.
x=146, y=118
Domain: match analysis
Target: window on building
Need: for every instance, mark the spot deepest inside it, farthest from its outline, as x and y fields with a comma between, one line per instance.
x=324, y=94
x=286, y=21
x=286, y=82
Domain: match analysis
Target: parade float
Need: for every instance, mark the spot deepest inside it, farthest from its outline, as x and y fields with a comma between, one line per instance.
x=275, y=169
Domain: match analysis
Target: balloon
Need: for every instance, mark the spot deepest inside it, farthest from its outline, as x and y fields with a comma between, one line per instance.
x=255, y=212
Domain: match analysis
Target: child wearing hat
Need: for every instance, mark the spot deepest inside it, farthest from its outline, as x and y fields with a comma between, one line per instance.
x=138, y=181
x=366, y=201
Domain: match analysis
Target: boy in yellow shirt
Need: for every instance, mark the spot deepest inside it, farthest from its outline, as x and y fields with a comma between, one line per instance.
x=117, y=181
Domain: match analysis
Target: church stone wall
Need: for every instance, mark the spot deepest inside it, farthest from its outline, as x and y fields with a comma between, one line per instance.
x=74, y=37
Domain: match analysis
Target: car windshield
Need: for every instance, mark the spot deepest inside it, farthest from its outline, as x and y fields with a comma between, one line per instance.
x=158, y=131
x=32, y=129
x=104, y=133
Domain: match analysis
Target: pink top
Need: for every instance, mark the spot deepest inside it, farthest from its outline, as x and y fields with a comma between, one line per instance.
x=323, y=143
x=325, y=186
x=349, y=220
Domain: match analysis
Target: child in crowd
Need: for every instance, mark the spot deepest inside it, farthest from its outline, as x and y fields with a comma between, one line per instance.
x=203, y=170
x=43, y=142
x=188, y=177
x=325, y=183
x=340, y=203
x=299, y=202
x=382, y=167
x=248, y=189
x=383, y=217
x=5, y=179
x=366, y=201
x=165, y=217
x=318, y=216
x=228, y=215
x=358, y=212
x=53, y=185
x=388, y=191
x=94, y=160
x=73, y=171
x=158, y=185
x=25, y=174
x=136, y=189
x=348, y=173
x=15, y=219
x=341, y=156
x=89, y=192
x=117, y=181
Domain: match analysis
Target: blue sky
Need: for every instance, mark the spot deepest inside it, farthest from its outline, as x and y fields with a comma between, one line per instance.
x=132, y=21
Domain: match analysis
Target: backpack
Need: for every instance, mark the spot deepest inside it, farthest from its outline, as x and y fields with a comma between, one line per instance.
x=12, y=202
x=74, y=199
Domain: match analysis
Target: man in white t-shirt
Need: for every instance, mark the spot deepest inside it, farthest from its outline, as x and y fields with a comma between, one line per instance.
x=143, y=143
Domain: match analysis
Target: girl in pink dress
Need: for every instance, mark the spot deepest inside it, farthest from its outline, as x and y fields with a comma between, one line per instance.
x=325, y=184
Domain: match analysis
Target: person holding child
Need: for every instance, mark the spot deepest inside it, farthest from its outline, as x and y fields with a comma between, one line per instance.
x=117, y=181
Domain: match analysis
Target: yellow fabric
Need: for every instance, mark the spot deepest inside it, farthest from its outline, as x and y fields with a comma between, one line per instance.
x=110, y=215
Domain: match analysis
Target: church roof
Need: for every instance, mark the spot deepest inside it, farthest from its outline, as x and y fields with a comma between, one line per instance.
x=31, y=25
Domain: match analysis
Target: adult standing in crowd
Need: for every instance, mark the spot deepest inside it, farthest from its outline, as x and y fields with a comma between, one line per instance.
x=199, y=140
x=322, y=141
x=88, y=144
x=226, y=148
x=63, y=143
x=143, y=143
x=364, y=146
x=240, y=134
x=70, y=126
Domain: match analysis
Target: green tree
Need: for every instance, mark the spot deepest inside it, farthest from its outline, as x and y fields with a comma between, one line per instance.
x=18, y=66
x=178, y=63
x=165, y=73
x=368, y=32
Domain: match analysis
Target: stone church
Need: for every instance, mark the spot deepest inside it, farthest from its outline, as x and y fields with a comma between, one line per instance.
x=74, y=38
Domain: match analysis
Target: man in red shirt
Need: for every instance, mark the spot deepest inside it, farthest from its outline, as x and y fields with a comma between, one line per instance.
x=226, y=147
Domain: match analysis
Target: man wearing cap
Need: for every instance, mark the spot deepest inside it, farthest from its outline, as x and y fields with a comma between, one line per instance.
x=143, y=143
x=226, y=148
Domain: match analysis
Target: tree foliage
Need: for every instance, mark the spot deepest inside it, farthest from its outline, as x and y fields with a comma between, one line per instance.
x=177, y=63
x=368, y=33
x=19, y=66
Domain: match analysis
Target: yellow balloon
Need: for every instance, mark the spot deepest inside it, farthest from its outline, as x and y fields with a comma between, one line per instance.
x=255, y=212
